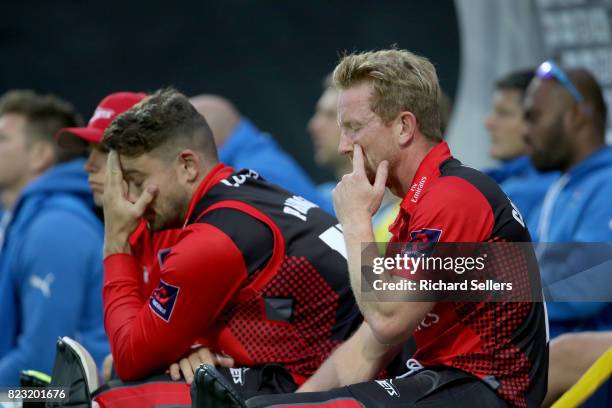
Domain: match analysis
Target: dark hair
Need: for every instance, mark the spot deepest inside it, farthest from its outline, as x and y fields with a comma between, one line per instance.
x=165, y=119
x=593, y=95
x=45, y=116
x=516, y=80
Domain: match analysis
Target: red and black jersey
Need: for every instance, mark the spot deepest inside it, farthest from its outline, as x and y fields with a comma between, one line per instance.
x=504, y=343
x=149, y=249
x=258, y=272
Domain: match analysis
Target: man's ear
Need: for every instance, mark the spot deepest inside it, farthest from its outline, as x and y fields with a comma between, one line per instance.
x=189, y=166
x=580, y=114
x=407, y=124
x=41, y=156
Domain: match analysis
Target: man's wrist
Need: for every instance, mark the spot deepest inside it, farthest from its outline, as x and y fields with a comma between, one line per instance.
x=358, y=229
x=116, y=245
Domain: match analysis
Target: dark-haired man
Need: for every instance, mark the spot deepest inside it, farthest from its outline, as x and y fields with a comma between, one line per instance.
x=257, y=271
x=50, y=239
x=89, y=138
x=145, y=245
x=566, y=120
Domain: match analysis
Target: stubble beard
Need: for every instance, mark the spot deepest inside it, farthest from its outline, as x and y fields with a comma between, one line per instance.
x=170, y=216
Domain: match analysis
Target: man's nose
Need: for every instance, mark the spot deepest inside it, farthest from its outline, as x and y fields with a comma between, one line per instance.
x=312, y=125
x=89, y=165
x=346, y=145
x=132, y=195
x=489, y=122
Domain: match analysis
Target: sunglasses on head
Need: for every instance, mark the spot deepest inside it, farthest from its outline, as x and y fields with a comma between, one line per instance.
x=548, y=69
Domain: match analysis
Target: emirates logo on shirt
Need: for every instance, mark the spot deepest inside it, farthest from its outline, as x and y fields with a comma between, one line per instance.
x=417, y=189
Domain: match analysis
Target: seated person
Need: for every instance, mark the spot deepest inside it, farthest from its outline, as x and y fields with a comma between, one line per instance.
x=517, y=177
x=146, y=246
x=468, y=354
x=256, y=271
x=566, y=116
x=242, y=145
x=50, y=239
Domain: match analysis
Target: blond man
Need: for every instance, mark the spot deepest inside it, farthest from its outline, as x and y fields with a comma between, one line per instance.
x=469, y=354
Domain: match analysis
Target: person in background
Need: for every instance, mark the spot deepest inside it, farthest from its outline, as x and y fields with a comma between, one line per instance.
x=242, y=145
x=325, y=135
x=523, y=184
x=50, y=239
x=566, y=120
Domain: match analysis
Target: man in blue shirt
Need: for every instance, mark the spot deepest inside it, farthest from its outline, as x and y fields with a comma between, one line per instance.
x=50, y=239
x=566, y=121
x=242, y=145
x=523, y=184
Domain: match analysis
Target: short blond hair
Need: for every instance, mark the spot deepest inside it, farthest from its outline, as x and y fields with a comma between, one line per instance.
x=400, y=81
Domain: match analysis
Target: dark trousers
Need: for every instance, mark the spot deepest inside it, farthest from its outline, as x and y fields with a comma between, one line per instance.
x=429, y=388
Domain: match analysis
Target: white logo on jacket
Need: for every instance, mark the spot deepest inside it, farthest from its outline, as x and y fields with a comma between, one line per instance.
x=238, y=374
x=43, y=284
x=389, y=387
x=298, y=207
x=236, y=180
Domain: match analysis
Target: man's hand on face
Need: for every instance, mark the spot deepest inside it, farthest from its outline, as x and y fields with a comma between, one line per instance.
x=121, y=217
x=188, y=365
x=355, y=199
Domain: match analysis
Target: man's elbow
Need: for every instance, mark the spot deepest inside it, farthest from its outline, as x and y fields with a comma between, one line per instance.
x=127, y=370
x=124, y=371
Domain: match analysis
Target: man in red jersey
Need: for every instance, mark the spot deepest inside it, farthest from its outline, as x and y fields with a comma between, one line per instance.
x=146, y=247
x=257, y=271
x=469, y=354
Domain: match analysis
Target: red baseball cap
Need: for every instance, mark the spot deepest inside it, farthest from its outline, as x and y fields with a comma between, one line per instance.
x=108, y=109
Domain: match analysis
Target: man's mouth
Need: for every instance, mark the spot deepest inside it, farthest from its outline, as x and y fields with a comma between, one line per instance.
x=97, y=187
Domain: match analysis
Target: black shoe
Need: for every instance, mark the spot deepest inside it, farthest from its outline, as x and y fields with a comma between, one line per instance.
x=211, y=390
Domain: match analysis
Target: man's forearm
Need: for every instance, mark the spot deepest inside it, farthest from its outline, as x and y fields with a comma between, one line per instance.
x=354, y=235
x=359, y=359
x=391, y=321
